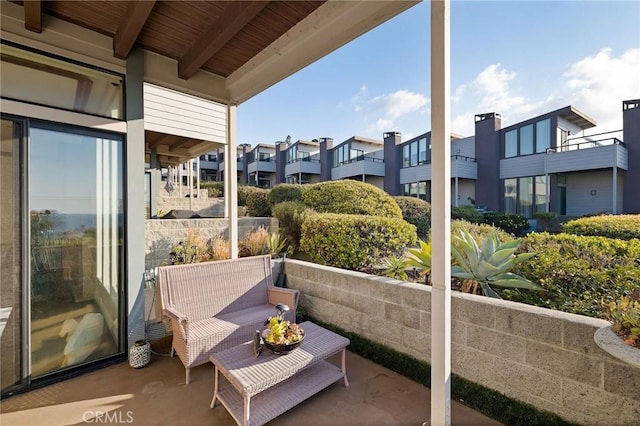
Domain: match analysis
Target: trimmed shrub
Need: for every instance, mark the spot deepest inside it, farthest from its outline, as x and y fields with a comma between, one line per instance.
x=467, y=213
x=244, y=191
x=354, y=241
x=258, y=204
x=546, y=221
x=415, y=211
x=214, y=189
x=350, y=197
x=508, y=222
x=285, y=192
x=291, y=215
x=624, y=227
x=478, y=231
x=578, y=273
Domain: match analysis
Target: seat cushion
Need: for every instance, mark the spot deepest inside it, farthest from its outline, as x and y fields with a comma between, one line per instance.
x=225, y=331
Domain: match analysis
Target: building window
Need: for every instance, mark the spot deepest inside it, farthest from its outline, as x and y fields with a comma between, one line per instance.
x=510, y=195
x=543, y=135
x=511, y=143
x=526, y=195
x=526, y=140
x=406, y=155
x=357, y=154
x=422, y=151
x=414, y=153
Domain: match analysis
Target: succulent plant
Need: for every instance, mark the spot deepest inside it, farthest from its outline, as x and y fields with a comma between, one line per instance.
x=488, y=264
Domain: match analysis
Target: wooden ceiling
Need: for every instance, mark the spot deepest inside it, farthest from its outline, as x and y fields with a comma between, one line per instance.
x=215, y=36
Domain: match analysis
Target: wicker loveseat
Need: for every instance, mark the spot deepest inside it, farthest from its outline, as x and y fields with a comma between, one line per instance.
x=214, y=306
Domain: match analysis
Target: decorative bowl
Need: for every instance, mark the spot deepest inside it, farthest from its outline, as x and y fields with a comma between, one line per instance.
x=280, y=349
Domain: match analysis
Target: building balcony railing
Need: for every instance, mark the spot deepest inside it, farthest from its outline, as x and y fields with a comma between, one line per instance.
x=585, y=143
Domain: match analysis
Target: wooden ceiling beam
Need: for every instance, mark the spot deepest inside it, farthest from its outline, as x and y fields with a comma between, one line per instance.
x=228, y=24
x=33, y=15
x=129, y=29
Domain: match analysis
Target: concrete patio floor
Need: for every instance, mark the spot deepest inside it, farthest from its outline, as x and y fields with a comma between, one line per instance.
x=157, y=395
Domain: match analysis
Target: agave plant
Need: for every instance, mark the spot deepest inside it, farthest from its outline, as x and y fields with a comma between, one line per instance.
x=395, y=268
x=488, y=264
x=421, y=258
x=276, y=244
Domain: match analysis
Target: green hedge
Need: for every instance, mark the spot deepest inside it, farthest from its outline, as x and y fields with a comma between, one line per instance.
x=577, y=272
x=291, y=215
x=415, y=211
x=508, y=222
x=354, y=241
x=478, y=230
x=258, y=203
x=467, y=212
x=350, y=197
x=285, y=192
x=244, y=191
x=624, y=227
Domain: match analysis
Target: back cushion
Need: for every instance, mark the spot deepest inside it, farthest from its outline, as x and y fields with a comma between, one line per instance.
x=203, y=290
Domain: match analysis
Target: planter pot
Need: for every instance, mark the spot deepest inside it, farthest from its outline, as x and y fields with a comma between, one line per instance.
x=611, y=343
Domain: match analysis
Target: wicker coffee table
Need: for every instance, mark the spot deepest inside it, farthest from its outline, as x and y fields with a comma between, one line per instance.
x=256, y=390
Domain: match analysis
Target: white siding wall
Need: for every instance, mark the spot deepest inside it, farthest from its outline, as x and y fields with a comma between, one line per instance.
x=175, y=113
x=375, y=181
x=366, y=147
x=466, y=189
x=565, y=125
x=579, y=187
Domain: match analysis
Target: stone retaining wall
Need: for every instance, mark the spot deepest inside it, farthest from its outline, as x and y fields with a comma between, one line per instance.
x=205, y=207
x=543, y=357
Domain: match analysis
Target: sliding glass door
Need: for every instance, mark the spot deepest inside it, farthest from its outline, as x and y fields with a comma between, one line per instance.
x=12, y=302
x=76, y=242
x=62, y=244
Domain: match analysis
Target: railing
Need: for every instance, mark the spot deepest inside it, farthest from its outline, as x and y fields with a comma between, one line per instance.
x=361, y=158
x=453, y=157
x=585, y=144
x=306, y=159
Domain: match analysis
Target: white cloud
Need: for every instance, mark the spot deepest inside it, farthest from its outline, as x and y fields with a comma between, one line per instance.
x=598, y=84
x=383, y=113
x=384, y=125
x=399, y=103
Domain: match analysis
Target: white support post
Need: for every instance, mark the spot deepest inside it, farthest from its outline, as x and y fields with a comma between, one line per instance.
x=615, y=190
x=440, y=215
x=190, y=179
x=198, y=173
x=231, y=180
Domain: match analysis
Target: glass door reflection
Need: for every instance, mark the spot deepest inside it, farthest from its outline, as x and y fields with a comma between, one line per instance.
x=76, y=246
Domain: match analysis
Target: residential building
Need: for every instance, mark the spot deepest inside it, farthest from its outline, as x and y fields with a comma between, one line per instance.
x=556, y=162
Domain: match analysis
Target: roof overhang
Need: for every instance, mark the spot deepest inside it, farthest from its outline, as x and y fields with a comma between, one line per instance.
x=576, y=117
x=226, y=51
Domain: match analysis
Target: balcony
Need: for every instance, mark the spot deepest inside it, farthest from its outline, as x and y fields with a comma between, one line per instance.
x=264, y=165
x=583, y=154
x=362, y=165
x=302, y=165
x=501, y=351
x=461, y=167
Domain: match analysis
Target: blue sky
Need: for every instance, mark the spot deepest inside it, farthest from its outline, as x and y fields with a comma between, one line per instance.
x=516, y=58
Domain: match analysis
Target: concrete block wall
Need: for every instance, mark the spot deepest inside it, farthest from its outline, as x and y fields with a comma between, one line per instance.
x=161, y=235
x=539, y=356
